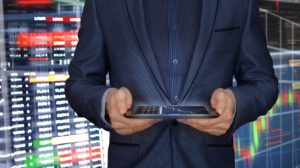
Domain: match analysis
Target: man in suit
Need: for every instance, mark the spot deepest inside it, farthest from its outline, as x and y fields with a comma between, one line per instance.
x=171, y=52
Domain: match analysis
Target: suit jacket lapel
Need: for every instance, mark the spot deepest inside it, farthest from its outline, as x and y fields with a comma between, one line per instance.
x=136, y=16
x=208, y=14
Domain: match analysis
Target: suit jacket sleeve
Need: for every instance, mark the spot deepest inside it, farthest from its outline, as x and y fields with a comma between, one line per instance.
x=257, y=85
x=88, y=69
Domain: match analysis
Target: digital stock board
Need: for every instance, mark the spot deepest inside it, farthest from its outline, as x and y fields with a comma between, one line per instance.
x=38, y=128
x=274, y=140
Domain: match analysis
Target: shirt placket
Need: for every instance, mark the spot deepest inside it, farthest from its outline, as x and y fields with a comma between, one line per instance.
x=174, y=78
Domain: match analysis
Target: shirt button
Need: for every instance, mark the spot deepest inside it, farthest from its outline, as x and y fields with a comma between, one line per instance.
x=175, y=61
x=176, y=98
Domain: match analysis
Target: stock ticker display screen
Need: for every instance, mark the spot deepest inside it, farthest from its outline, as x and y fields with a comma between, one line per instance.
x=39, y=129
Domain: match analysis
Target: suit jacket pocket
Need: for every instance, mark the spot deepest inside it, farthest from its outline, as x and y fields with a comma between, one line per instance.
x=226, y=29
x=220, y=149
x=225, y=40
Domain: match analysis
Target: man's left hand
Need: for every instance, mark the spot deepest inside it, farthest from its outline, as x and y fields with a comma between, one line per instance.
x=223, y=103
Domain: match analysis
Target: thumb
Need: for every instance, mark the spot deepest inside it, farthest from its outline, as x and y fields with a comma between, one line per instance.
x=215, y=96
x=217, y=101
x=128, y=97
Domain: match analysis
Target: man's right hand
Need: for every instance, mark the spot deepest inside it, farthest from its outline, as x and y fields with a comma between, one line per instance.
x=118, y=102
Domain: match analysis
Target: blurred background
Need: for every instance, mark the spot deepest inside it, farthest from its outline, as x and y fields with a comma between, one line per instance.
x=39, y=129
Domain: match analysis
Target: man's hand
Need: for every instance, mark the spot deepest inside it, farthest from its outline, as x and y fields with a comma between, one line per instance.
x=118, y=102
x=223, y=103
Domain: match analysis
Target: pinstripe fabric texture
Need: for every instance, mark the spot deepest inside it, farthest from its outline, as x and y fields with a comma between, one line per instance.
x=135, y=43
x=172, y=27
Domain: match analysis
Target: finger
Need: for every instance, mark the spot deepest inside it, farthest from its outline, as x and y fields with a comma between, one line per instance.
x=232, y=96
x=125, y=131
x=189, y=122
x=110, y=98
x=216, y=127
x=112, y=109
x=206, y=122
x=119, y=117
x=229, y=101
x=120, y=100
x=228, y=112
x=219, y=100
x=215, y=132
x=118, y=125
x=202, y=124
x=110, y=94
x=128, y=97
x=192, y=123
x=122, y=108
x=227, y=115
x=214, y=96
x=220, y=104
x=222, y=127
x=220, y=107
x=143, y=127
x=133, y=123
x=226, y=119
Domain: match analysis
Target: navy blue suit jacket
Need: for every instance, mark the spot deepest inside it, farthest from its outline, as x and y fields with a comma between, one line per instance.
x=113, y=39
